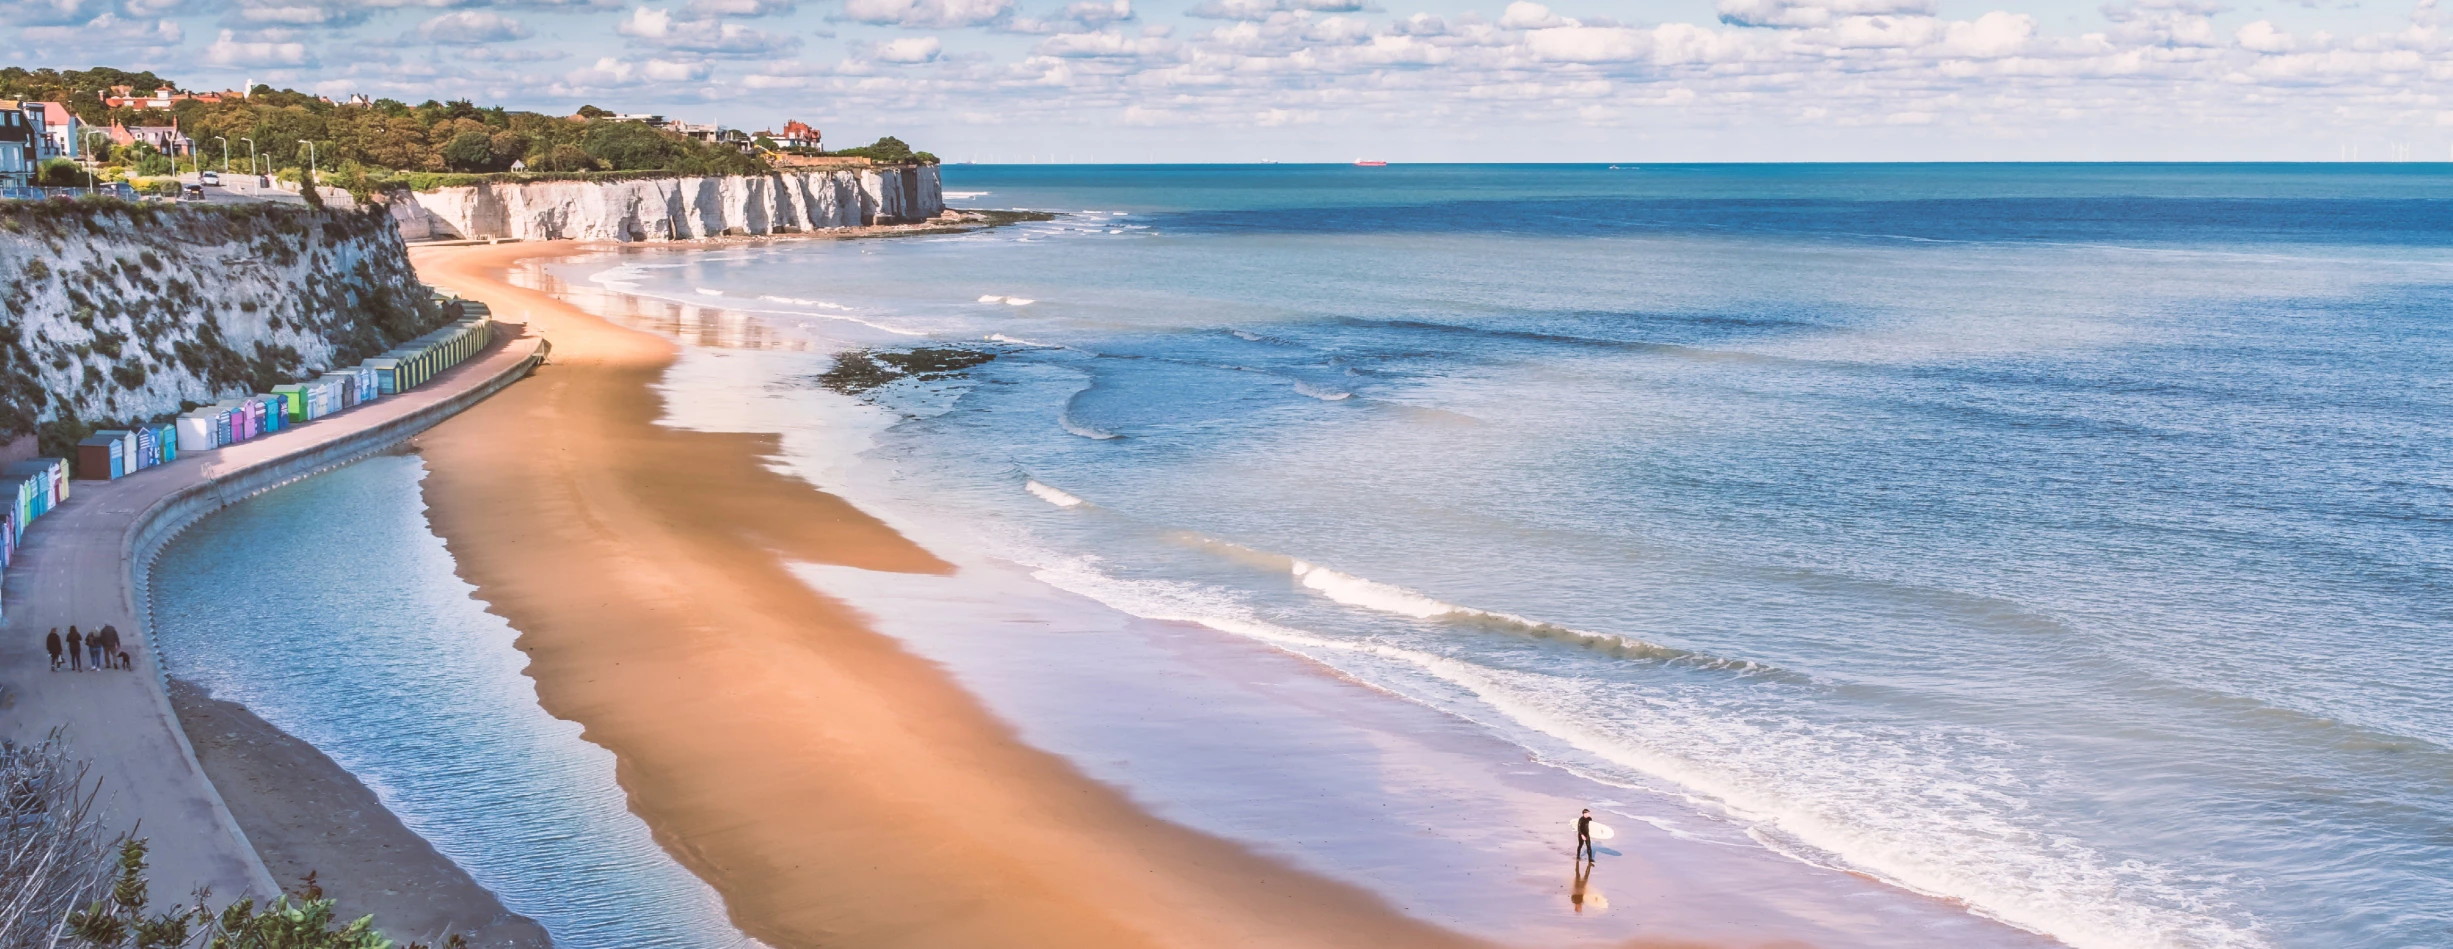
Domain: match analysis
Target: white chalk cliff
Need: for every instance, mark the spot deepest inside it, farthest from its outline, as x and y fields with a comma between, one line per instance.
x=666, y=209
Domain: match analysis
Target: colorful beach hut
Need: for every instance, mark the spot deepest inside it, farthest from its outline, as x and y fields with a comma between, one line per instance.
x=99, y=458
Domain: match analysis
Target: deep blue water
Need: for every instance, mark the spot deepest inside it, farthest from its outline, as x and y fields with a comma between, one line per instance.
x=2061, y=538
x=2073, y=541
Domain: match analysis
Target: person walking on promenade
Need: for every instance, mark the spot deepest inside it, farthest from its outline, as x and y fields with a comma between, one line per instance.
x=1584, y=836
x=110, y=646
x=52, y=643
x=76, y=650
x=93, y=650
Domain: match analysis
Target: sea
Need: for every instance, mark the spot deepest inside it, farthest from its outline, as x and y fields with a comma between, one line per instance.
x=1962, y=554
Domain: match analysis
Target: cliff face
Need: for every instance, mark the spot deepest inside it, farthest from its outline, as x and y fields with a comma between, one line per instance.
x=665, y=209
x=114, y=313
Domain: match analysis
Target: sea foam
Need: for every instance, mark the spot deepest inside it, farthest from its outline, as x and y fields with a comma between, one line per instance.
x=1052, y=495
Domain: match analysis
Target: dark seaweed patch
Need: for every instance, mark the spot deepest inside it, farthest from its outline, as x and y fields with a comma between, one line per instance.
x=862, y=370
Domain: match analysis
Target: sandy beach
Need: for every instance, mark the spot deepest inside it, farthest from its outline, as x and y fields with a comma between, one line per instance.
x=835, y=788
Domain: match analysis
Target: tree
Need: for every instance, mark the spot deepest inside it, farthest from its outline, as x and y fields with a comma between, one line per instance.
x=507, y=147
x=471, y=150
x=630, y=146
x=563, y=158
x=592, y=112
x=60, y=173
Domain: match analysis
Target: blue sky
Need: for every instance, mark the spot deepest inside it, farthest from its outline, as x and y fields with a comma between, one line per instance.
x=1334, y=80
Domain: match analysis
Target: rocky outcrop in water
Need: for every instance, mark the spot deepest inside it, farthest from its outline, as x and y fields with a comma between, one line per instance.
x=666, y=209
x=113, y=313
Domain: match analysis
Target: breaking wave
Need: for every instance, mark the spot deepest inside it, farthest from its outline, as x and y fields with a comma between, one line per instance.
x=1386, y=598
x=1053, y=496
x=1324, y=395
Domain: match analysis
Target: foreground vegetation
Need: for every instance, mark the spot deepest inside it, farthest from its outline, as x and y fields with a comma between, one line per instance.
x=66, y=884
x=387, y=142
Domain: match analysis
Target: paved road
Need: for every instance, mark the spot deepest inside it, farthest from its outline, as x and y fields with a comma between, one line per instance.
x=76, y=568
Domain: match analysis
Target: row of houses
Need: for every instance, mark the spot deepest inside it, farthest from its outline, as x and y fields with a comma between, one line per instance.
x=796, y=135
x=32, y=133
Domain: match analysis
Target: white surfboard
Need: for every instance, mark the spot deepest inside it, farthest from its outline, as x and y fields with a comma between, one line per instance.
x=1602, y=831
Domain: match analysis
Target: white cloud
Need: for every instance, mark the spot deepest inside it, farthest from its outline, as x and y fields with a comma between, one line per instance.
x=614, y=73
x=660, y=29
x=909, y=49
x=740, y=8
x=1807, y=14
x=1263, y=9
x=2262, y=37
x=1590, y=44
x=927, y=14
x=471, y=28
x=230, y=51
x=1531, y=16
x=1105, y=44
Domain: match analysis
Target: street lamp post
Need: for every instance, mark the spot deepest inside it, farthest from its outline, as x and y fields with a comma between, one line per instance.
x=91, y=163
x=225, y=157
x=310, y=182
x=251, y=155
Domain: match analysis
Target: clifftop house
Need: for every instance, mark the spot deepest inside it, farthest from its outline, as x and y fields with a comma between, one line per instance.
x=163, y=98
x=796, y=134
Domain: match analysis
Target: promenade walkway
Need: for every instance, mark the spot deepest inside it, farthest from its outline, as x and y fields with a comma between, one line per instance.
x=83, y=564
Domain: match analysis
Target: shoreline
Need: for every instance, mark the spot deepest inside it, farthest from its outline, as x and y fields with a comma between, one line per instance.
x=836, y=788
x=304, y=813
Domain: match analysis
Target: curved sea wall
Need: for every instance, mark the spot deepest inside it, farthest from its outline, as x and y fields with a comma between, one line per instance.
x=668, y=209
x=88, y=562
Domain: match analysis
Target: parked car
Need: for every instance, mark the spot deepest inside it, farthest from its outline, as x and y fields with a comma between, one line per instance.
x=192, y=193
x=211, y=178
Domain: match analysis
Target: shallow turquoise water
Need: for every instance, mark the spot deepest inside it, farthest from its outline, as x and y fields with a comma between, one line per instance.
x=330, y=609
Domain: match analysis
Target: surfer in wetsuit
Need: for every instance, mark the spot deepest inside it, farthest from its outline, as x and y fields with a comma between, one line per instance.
x=1584, y=835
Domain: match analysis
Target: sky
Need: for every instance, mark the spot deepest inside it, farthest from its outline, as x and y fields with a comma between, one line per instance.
x=1106, y=81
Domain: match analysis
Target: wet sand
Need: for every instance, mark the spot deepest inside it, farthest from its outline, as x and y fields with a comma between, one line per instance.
x=305, y=814
x=835, y=788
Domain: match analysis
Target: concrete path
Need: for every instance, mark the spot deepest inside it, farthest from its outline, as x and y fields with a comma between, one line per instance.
x=82, y=564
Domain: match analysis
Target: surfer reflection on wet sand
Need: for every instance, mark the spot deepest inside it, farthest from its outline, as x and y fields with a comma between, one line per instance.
x=1587, y=857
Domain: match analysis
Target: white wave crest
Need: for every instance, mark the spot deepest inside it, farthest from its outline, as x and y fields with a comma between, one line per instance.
x=1246, y=335
x=1092, y=432
x=1324, y=395
x=1371, y=595
x=703, y=291
x=1018, y=341
x=797, y=301
x=992, y=298
x=1008, y=301
x=966, y=195
x=1052, y=495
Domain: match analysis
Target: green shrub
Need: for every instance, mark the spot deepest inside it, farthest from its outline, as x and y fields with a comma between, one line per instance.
x=60, y=173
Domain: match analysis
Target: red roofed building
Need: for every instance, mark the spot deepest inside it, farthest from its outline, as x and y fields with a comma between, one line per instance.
x=796, y=134
x=166, y=139
x=126, y=97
